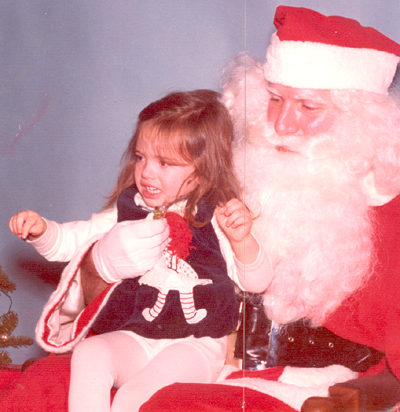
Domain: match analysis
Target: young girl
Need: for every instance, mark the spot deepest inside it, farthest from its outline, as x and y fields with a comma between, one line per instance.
x=168, y=301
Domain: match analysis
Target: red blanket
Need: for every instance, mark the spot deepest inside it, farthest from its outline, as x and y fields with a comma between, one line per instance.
x=41, y=387
x=44, y=387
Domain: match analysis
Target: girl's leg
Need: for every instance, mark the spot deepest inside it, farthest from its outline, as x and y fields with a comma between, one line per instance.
x=98, y=364
x=179, y=362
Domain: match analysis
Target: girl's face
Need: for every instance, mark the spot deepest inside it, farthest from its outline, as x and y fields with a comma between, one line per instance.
x=159, y=182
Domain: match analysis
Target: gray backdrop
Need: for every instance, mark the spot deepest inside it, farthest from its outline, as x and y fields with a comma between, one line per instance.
x=75, y=74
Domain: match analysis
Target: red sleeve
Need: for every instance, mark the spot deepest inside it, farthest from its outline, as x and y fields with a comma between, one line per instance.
x=372, y=316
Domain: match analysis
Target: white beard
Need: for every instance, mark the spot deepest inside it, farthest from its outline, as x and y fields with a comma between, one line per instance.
x=312, y=219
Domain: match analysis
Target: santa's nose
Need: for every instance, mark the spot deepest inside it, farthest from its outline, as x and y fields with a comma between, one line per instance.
x=286, y=121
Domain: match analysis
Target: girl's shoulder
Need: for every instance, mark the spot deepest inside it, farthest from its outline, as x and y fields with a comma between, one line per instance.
x=205, y=212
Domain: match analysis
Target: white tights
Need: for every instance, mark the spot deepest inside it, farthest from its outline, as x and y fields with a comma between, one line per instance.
x=122, y=361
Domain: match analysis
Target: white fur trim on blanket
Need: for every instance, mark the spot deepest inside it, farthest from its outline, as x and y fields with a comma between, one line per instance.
x=64, y=308
x=295, y=385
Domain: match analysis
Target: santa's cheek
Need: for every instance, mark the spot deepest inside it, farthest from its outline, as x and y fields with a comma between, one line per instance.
x=318, y=124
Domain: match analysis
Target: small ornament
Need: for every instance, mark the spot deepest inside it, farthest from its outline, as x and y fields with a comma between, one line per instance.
x=159, y=212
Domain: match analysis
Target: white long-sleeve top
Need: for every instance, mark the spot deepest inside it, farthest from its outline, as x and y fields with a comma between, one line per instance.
x=61, y=242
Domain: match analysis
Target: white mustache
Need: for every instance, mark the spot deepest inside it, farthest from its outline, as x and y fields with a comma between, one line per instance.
x=321, y=146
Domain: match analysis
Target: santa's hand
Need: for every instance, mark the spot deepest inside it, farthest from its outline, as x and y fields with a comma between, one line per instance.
x=130, y=249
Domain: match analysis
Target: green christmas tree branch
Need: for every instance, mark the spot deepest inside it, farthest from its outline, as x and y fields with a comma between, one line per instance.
x=9, y=321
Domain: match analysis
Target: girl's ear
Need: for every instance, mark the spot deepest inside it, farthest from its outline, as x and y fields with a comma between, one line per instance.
x=195, y=180
x=198, y=179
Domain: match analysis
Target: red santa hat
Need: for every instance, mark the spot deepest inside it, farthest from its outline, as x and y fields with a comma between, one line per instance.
x=313, y=51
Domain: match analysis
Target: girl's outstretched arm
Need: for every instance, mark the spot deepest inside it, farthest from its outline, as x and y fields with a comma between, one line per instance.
x=27, y=225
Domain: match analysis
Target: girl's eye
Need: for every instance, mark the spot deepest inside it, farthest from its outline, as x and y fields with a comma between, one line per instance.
x=163, y=163
x=138, y=157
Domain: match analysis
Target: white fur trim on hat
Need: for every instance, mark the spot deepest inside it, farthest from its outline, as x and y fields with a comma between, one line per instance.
x=313, y=65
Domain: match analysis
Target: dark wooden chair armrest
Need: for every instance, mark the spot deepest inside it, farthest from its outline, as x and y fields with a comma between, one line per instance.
x=9, y=367
x=370, y=394
x=28, y=363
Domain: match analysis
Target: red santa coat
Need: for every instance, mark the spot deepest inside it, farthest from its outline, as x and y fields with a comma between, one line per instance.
x=372, y=315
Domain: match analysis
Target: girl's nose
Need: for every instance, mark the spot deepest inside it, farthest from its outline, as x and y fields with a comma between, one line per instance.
x=148, y=171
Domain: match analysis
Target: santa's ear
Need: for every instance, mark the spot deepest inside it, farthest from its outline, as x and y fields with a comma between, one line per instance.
x=374, y=196
x=341, y=99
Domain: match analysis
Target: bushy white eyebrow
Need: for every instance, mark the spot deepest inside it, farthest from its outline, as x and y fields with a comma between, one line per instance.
x=304, y=94
x=272, y=91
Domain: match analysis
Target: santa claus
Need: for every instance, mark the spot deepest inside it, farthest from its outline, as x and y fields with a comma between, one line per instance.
x=318, y=152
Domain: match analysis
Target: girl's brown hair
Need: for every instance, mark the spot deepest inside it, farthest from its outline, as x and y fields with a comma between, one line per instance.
x=187, y=128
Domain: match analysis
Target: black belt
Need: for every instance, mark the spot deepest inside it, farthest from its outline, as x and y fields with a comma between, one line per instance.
x=262, y=345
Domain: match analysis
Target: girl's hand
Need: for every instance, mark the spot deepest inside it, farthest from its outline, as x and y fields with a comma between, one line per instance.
x=235, y=220
x=27, y=225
